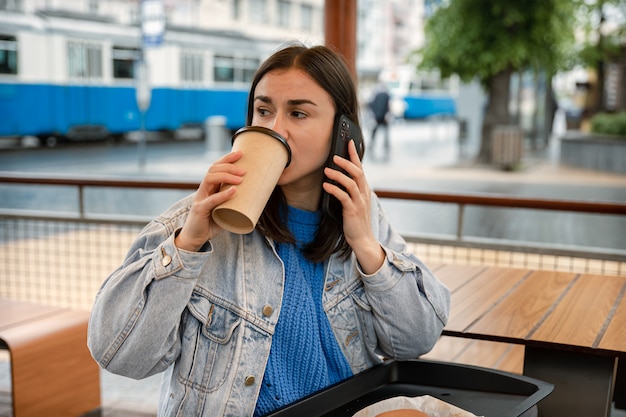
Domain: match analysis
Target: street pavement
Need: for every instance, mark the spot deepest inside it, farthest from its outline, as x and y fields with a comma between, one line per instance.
x=423, y=156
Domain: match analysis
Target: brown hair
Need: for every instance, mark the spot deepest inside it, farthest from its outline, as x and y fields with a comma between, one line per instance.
x=330, y=71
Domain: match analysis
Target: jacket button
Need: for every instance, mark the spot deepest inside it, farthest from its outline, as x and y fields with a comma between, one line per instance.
x=267, y=311
x=249, y=380
x=167, y=259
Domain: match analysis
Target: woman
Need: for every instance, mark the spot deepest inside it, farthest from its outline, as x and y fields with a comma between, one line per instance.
x=244, y=324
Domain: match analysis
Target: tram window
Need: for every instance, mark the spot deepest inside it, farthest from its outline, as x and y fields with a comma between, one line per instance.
x=8, y=55
x=224, y=69
x=124, y=62
x=250, y=65
x=191, y=67
x=84, y=60
x=234, y=69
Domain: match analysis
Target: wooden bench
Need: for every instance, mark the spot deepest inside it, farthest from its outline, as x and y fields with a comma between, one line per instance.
x=52, y=371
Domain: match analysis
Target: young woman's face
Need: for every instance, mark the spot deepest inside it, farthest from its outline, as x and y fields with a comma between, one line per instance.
x=294, y=105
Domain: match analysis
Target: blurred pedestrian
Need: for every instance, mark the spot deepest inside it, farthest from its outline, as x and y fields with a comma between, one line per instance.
x=379, y=105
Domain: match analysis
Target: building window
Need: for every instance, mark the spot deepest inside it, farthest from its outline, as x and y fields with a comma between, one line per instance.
x=306, y=17
x=236, y=10
x=191, y=67
x=8, y=55
x=92, y=6
x=284, y=13
x=13, y=5
x=258, y=11
x=124, y=62
x=84, y=60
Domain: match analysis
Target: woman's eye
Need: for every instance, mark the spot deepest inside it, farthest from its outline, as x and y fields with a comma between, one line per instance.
x=298, y=114
x=262, y=112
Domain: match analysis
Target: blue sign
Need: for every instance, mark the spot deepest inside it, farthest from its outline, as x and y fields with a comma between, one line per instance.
x=152, y=22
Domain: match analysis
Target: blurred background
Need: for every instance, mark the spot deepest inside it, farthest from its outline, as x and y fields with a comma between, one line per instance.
x=76, y=70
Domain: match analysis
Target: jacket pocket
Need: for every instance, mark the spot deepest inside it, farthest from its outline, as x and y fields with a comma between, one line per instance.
x=209, y=339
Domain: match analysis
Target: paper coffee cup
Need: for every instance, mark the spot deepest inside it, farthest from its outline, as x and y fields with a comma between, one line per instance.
x=265, y=154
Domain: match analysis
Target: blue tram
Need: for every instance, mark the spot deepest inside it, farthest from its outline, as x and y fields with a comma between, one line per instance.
x=68, y=75
x=64, y=76
x=419, y=95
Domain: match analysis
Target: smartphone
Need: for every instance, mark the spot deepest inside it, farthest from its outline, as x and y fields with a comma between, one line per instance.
x=344, y=131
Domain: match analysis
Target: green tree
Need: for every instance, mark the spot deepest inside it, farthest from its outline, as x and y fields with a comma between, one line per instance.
x=489, y=40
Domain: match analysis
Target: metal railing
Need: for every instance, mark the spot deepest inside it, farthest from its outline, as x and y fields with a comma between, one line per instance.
x=61, y=258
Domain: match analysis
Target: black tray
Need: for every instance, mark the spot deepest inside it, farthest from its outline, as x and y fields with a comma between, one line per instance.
x=482, y=391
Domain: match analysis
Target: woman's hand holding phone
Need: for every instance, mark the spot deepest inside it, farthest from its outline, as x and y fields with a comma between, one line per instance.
x=352, y=192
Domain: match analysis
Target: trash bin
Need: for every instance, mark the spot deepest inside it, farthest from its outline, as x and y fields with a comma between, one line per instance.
x=216, y=135
x=507, y=144
x=463, y=135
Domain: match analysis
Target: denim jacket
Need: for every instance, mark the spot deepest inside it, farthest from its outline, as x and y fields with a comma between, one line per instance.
x=206, y=319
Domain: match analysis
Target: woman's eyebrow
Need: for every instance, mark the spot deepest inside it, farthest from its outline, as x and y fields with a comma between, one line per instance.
x=293, y=102
x=297, y=102
x=264, y=99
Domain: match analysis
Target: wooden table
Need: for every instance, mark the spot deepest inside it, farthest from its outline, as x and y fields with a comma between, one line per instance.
x=573, y=328
x=52, y=372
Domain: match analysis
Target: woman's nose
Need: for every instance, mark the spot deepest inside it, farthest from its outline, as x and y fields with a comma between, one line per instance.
x=279, y=125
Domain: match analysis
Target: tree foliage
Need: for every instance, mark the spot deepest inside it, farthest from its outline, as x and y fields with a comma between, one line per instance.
x=489, y=40
x=600, y=43
x=481, y=38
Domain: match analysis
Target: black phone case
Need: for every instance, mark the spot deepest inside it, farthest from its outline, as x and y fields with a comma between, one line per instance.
x=344, y=131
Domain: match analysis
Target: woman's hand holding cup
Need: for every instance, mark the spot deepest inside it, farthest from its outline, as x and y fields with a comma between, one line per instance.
x=199, y=226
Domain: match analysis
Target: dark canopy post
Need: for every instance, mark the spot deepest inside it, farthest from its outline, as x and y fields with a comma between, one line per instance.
x=340, y=29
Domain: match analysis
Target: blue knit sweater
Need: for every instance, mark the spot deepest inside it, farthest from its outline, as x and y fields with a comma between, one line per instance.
x=305, y=356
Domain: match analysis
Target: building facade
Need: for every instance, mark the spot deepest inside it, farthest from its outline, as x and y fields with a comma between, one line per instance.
x=387, y=30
